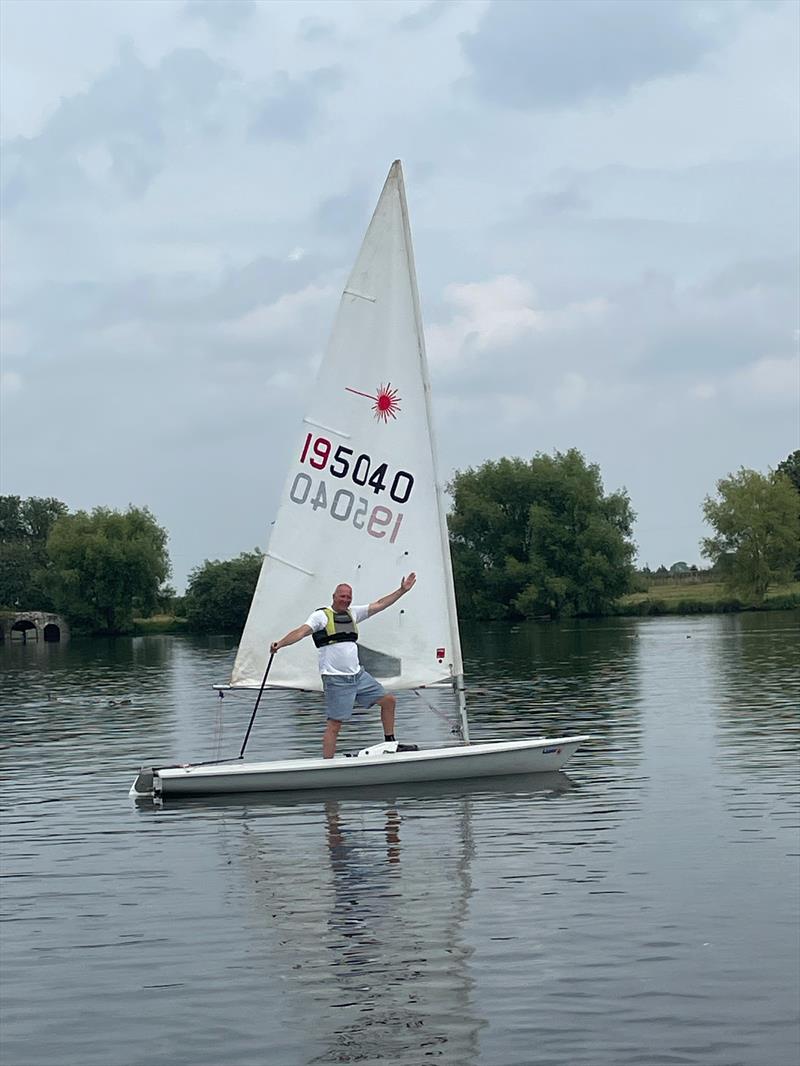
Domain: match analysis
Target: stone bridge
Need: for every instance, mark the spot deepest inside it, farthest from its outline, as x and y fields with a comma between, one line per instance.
x=32, y=625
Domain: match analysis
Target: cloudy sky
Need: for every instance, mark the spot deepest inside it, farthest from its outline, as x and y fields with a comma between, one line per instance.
x=603, y=195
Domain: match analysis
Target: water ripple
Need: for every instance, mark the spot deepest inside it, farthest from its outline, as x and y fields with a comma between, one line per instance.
x=639, y=909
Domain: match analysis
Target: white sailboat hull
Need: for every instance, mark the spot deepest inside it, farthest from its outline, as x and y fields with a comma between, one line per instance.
x=487, y=759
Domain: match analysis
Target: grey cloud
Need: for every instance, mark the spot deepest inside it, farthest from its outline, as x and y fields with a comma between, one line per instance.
x=554, y=54
x=292, y=111
x=716, y=326
x=188, y=348
x=222, y=16
x=344, y=215
x=562, y=201
x=167, y=308
x=619, y=222
x=111, y=358
x=314, y=31
x=424, y=16
x=651, y=334
x=739, y=279
x=124, y=118
x=668, y=365
x=262, y=281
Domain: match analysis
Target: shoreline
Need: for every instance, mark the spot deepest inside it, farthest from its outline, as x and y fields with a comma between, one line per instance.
x=704, y=597
x=661, y=598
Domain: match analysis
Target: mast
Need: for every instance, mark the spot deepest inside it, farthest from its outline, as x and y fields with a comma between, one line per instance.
x=458, y=665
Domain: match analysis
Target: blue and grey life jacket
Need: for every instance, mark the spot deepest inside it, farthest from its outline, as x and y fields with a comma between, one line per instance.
x=341, y=627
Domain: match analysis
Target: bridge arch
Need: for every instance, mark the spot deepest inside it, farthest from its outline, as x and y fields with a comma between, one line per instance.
x=26, y=626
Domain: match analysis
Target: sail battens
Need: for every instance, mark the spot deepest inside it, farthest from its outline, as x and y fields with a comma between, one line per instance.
x=288, y=562
x=360, y=295
x=328, y=429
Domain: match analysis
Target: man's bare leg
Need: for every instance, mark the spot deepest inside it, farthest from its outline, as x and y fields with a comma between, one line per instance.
x=387, y=704
x=329, y=738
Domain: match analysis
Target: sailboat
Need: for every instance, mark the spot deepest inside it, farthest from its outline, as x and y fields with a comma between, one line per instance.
x=363, y=504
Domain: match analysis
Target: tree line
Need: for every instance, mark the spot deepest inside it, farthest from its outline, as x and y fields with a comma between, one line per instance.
x=529, y=538
x=100, y=569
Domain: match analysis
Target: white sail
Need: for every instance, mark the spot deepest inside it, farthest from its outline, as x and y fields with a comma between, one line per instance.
x=362, y=503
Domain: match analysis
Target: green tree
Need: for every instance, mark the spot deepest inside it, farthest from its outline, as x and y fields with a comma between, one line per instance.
x=169, y=602
x=107, y=566
x=24, y=528
x=218, y=594
x=790, y=466
x=756, y=523
x=538, y=537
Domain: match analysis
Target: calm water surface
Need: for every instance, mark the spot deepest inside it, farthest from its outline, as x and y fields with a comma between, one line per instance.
x=641, y=910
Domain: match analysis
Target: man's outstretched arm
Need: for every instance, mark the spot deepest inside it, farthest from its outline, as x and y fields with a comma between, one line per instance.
x=291, y=637
x=392, y=597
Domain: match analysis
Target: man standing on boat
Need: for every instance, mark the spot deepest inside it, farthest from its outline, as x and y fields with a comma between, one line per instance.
x=345, y=682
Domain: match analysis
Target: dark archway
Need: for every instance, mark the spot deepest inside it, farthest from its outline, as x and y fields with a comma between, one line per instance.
x=52, y=632
x=23, y=630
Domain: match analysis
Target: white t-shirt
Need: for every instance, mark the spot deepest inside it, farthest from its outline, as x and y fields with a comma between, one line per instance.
x=340, y=658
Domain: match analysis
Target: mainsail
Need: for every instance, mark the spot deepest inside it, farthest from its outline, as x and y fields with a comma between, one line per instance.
x=362, y=503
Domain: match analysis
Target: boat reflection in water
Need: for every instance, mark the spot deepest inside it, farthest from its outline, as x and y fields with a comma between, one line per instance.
x=363, y=899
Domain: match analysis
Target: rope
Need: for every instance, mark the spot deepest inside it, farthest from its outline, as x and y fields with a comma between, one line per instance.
x=453, y=722
x=219, y=728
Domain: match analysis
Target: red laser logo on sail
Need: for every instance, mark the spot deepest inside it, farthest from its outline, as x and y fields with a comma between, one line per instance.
x=385, y=405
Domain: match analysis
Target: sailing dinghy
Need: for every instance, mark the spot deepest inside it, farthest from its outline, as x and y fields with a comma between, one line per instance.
x=363, y=504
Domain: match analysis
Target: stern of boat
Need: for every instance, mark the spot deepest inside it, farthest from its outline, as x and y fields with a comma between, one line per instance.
x=145, y=785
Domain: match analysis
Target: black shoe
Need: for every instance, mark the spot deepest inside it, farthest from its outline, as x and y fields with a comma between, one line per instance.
x=408, y=747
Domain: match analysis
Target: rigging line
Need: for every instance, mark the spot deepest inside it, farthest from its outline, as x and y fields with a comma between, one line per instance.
x=218, y=730
x=450, y=720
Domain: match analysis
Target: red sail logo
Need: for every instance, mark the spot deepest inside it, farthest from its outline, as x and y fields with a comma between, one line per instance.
x=385, y=405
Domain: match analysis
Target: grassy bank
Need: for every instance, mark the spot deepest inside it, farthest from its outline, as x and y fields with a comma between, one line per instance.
x=661, y=597
x=702, y=597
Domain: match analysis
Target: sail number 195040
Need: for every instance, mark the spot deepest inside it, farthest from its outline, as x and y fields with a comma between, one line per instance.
x=317, y=453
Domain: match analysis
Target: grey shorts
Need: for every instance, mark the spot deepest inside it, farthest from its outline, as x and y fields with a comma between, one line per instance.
x=343, y=692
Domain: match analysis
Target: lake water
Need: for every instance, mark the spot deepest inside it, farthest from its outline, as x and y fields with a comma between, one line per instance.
x=640, y=909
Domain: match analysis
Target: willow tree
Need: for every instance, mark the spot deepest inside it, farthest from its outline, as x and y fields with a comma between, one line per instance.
x=107, y=566
x=756, y=523
x=539, y=537
x=25, y=525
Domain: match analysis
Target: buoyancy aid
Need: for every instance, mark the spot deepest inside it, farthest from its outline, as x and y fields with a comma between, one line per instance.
x=341, y=627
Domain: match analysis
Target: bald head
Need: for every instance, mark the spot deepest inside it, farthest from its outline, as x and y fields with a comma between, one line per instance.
x=342, y=597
